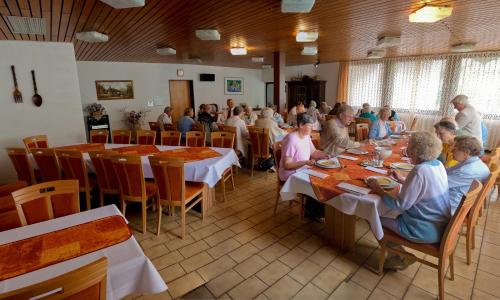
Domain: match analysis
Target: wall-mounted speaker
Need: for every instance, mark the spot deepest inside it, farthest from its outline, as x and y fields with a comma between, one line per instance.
x=207, y=77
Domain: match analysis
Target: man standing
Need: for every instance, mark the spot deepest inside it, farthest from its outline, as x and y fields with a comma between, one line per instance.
x=230, y=110
x=468, y=118
x=165, y=118
x=335, y=134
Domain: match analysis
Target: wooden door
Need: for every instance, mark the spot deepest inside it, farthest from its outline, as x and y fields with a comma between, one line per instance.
x=180, y=97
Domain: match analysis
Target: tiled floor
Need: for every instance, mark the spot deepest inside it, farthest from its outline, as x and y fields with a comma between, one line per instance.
x=242, y=251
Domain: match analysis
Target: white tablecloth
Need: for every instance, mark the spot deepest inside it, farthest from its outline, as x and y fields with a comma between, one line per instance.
x=129, y=270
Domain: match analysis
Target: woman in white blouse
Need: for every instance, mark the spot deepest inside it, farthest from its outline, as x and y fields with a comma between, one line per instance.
x=242, y=135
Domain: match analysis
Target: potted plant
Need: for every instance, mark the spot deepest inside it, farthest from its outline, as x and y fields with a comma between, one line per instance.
x=96, y=110
x=134, y=119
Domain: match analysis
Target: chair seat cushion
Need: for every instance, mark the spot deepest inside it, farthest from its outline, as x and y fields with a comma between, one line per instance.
x=9, y=220
x=7, y=204
x=151, y=189
x=390, y=235
x=193, y=188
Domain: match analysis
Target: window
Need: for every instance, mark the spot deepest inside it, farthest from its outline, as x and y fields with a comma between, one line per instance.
x=365, y=83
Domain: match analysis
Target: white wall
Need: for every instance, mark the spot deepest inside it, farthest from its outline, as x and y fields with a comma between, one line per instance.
x=153, y=80
x=60, y=116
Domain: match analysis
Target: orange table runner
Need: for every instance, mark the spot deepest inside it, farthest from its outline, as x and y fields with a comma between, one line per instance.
x=137, y=150
x=84, y=147
x=24, y=256
x=191, y=153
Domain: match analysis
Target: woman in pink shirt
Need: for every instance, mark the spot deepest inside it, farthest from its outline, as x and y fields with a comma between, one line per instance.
x=297, y=149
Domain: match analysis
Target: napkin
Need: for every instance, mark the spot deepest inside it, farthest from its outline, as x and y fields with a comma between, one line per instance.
x=347, y=157
x=380, y=171
x=353, y=188
x=314, y=173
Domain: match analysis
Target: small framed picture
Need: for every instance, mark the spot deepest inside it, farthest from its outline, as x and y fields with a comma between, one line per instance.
x=233, y=85
x=180, y=72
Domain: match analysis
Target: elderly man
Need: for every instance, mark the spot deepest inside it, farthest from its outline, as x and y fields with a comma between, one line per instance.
x=292, y=114
x=324, y=108
x=468, y=118
x=242, y=135
x=228, y=113
x=335, y=134
x=165, y=118
x=276, y=134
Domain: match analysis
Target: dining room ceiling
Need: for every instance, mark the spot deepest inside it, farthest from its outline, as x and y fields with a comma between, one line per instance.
x=348, y=29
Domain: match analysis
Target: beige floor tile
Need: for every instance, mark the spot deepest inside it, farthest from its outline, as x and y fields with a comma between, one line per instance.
x=243, y=252
x=463, y=269
x=264, y=241
x=177, y=243
x=273, y=272
x=251, y=266
x=366, y=278
x=487, y=283
x=379, y=294
x=283, y=230
x=247, y=235
x=156, y=251
x=349, y=290
x=240, y=226
x=312, y=244
x=171, y=273
x=216, y=268
x=273, y=252
x=202, y=223
x=200, y=293
x=167, y=260
x=427, y=280
x=416, y=293
x=294, y=257
x=293, y=239
x=156, y=240
x=260, y=217
x=345, y=265
x=491, y=250
x=395, y=284
x=223, y=248
x=323, y=256
x=219, y=237
x=224, y=283
x=261, y=297
x=194, y=248
x=480, y=295
x=248, y=289
x=205, y=232
x=185, y=284
x=227, y=221
x=491, y=237
x=310, y=291
x=197, y=261
x=161, y=296
x=285, y=288
x=329, y=279
x=304, y=272
x=247, y=213
x=222, y=213
x=490, y=265
x=267, y=225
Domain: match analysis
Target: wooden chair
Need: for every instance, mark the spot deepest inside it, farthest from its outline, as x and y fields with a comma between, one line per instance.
x=74, y=167
x=197, y=127
x=363, y=121
x=133, y=187
x=155, y=126
x=169, y=127
x=146, y=137
x=362, y=131
x=22, y=164
x=99, y=136
x=222, y=139
x=87, y=282
x=121, y=136
x=329, y=117
x=195, y=139
x=413, y=125
x=36, y=141
x=227, y=128
x=9, y=218
x=106, y=176
x=48, y=164
x=441, y=250
x=48, y=200
x=173, y=190
x=170, y=138
x=259, y=138
x=315, y=138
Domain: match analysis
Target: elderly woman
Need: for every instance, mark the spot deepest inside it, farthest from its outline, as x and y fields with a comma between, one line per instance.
x=297, y=148
x=366, y=112
x=249, y=117
x=242, y=135
x=380, y=129
x=266, y=121
x=422, y=203
x=446, y=131
x=466, y=152
x=292, y=115
x=185, y=124
x=314, y=113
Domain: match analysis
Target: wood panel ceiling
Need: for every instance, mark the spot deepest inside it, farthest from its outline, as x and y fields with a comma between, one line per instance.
x=347, y=28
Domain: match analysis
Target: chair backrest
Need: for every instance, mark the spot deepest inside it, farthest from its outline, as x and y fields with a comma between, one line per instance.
x=222, y=139
x=362, y=131
x=154, y=126
x=73, y=167
x=169, y=177
x=227, y=128
x=277, y=158
x=170, y=127
x=99, y=136
x=485, y=191
x=171, y=138
x=47, y=164
x=9, y=218
x=48, y=200
x=36, y=141
x=413, y=125
x=106, y=176
x=128, y=170
x=197, y=127
x=315, y=138
x=494, y=158
x=363, y=121
x=87, y=282
x=22, y=164
x=259, y=137
x=121, y=136
x=145, y=137
x=195, y=139
x=450, y=235
x=329, y=117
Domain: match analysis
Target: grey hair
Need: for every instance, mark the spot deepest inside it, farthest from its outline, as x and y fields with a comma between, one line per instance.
x=304, y=118
x=267, y=113
x=237, y=110
x=425, y=146
x=446, y=125
x=344, y=108
x=312, y=103
x=468, y=144
x=460, y=99
x=384, y=109
x=167, y=109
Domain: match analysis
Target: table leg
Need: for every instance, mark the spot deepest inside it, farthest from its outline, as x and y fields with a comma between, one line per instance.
x=340, y=228
x=210, y=200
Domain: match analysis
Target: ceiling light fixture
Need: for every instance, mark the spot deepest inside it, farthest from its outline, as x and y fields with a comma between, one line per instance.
x=92, y=37
x=379, y=53
x=388, y=41
x=310, y=50
x=166, y=51
x=207, y=34
x=463, y=47
x=430, y=14
x=119, y=4
x=238, y=51
x=306, y=36
x=296, y=6
x=258, y=59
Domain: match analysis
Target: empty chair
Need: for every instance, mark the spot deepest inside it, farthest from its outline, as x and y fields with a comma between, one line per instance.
x=73, y=167
x=222, y=139
x=87, y=282
x=121, y=136
x=48, y=200
x=99, y=136
x=315, y=138
x=133, y=187
x=145, y=137
x=259, y=137
x=362, y=131
x=47, y=164
x=363, y=121
x=36, y=141
x=195, y=139
x=171, y=138
x=106, y=176
x=9, y=218
x=173, y=190
x=22, y=164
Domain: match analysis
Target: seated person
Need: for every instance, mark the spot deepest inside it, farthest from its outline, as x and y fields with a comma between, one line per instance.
x=249, y=117
x=422, y=202
x=206, y=119
x=185, y=124
x=367, y=113
x=266, y=121
x=297, y=149
x=242, y=135
x=324, y=108
x=314, y=113
x=335, y=134
x=466, y=152
x=446, y=132
x=394, y=115
x=292, y=115
x=335, y=110
x=165, y=118
x=381, y=129
x=277, y=117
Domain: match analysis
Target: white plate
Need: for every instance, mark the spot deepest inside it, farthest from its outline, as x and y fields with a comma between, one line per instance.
x=402, y=166
x=384, y=182
x=327, y=164
x=356, y=151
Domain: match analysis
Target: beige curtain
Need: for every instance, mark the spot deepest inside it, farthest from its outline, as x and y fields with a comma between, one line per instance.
x=343, y=83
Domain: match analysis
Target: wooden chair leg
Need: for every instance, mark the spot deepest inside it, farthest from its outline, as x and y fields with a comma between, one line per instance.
x=381, y=258
x=101, y=198
x=441, y=273
x=468, y=244
x=452, y=267
x=473, y=237
x=202, y=202
x=144, y=214
x=183, y=220
x=159, y=219
x=87, y=198
x=253, y=161
x=124, y=206
x=232, y=180
x=277, y=202
x=223, y=181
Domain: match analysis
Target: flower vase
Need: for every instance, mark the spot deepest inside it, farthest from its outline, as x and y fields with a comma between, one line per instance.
x=97, y=115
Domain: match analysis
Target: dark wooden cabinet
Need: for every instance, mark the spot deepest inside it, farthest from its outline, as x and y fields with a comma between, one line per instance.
x=305, y=91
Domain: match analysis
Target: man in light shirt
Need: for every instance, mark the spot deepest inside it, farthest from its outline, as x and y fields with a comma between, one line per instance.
x=335, y=134
x=165, y=118
x=242, y=135
x=468, y=118
x=229, y=112
x=275, y=133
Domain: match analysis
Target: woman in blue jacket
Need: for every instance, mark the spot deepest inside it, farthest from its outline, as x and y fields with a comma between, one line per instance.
x=381, y=129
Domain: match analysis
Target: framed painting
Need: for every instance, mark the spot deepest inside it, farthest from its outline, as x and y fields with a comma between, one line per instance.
x=233, y=85
x=114, y=89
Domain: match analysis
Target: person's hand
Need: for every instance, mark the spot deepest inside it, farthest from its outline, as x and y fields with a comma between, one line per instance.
x=398, y=176
x=310, y=162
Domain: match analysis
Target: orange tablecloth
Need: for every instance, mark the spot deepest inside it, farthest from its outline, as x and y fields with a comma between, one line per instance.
x=137, y=150
x=84, y=147
x=191, y=153
x=37, y=252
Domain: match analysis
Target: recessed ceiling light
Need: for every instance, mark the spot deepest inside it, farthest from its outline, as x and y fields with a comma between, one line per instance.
x=208, y=34
x=296, y=6
x=310, y=50
x=463, y=47
x=430, y=14
x=376, y=53
x=239, y=51
x=266, y=66
x=119, y=4
x=388, y=41
x=166, y=51
x=306, y=36
x=92, y=37
x=258, y=59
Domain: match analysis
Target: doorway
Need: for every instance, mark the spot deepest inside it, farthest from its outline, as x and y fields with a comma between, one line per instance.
x=269, y=94
x=181, y=97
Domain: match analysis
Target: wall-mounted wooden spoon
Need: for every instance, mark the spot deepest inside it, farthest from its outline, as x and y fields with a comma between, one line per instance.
x=37, y=99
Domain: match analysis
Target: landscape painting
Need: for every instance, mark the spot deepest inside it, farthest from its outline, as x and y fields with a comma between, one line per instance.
x=233, y=85
x=114, y=89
